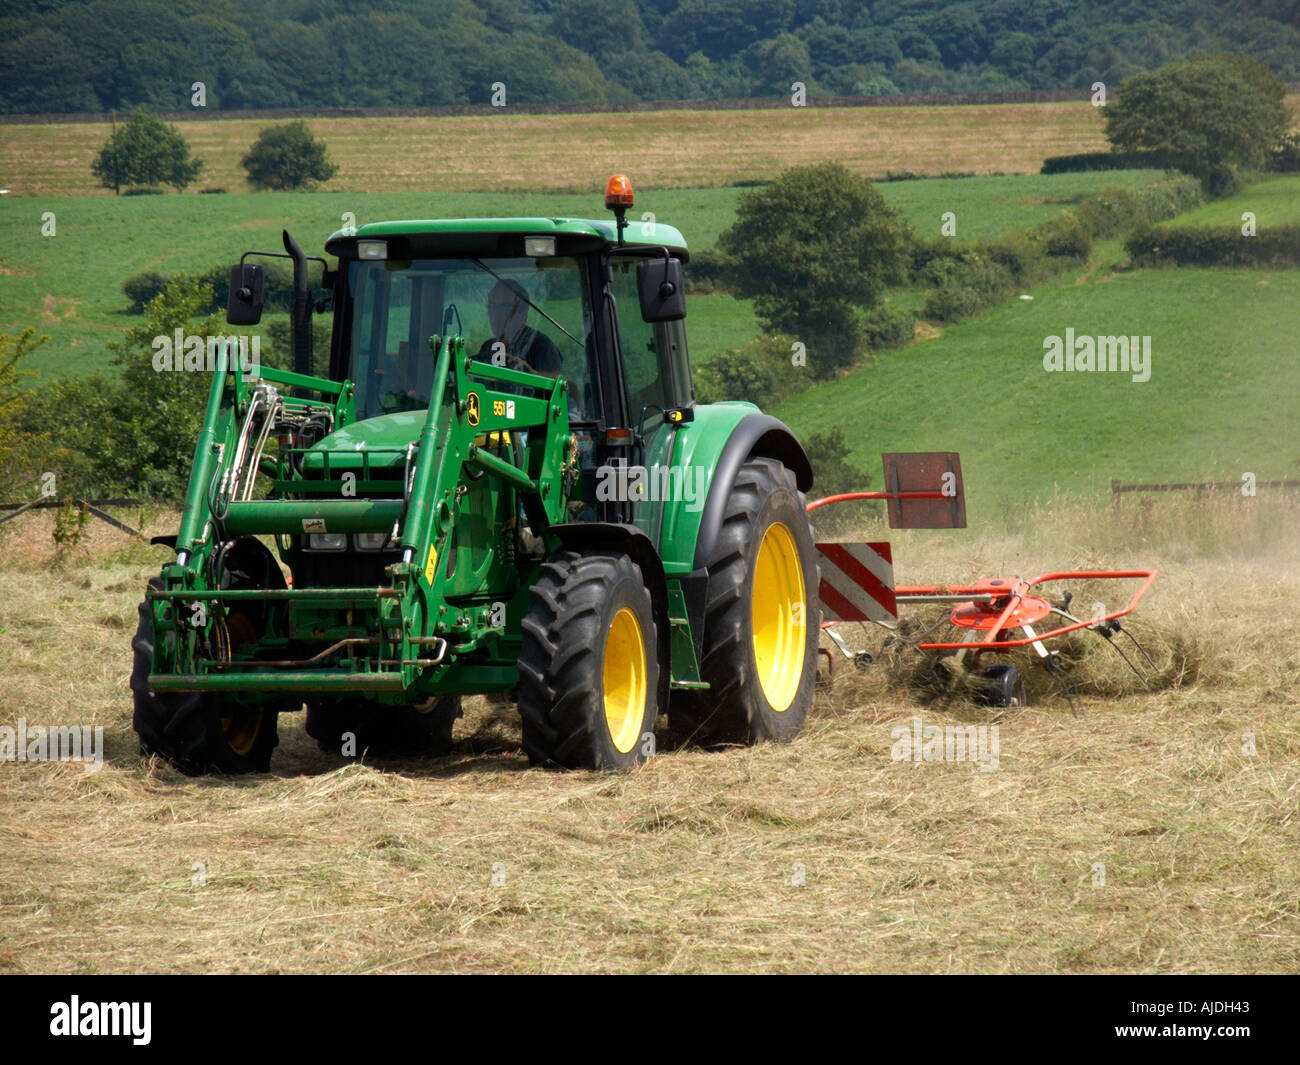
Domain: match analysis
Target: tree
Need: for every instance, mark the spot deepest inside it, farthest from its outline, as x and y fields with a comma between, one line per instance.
x=602, y=28
x=287, y=157
x=722, y=28
x=1212, y=113
x=145, y=151
x=132, y=430
x=810, y=250
x=775, y=64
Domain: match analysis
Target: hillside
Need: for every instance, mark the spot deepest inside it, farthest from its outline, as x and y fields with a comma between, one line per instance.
x=70, y=285
x=1222, y=399
x=78, y=56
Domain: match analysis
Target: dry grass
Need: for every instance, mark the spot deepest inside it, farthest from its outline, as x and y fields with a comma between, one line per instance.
x=576, y=153
x=689, y=863
x=509, y=152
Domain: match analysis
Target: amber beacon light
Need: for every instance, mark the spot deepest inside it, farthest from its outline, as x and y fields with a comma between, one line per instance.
x=618, y=198
x=618, y=193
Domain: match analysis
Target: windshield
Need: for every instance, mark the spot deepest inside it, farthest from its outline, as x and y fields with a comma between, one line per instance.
x=524, y=313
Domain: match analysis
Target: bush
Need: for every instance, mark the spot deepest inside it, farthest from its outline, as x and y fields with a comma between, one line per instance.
x=143, y=287
x=1064, y=237
x=1087, y=161
x=971, y=278
x=923, y=251
x=1286, y=158
x=1022, y=257
x=287, y=157
x=888, y=327
x=833, y=474
x=277, y=350
x=760, y=372
x=707, y=273
x=1274, y=247
x=211, y=191
x=143, y=190
x=968, y=288
x=1112, y=210
x=1220, y=181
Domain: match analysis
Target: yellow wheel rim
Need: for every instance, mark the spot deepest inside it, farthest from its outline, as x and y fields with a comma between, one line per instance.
x=779, y=613
x=625, y=680
x=240, y=728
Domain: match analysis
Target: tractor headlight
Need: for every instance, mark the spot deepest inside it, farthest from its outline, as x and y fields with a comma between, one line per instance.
x=327, y=542
x=539, y=247
x=371, y=541
x=372, y=249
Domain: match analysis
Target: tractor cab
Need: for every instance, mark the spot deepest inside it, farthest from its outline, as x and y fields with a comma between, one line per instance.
x=575, y=298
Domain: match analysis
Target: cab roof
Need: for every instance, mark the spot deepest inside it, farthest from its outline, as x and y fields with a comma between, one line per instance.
x=500, y=237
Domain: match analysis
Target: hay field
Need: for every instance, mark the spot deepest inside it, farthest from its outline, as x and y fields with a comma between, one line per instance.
x=822, y=855
x=508, y=152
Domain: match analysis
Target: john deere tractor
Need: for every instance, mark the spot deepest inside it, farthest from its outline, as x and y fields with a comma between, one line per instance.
x=501, y=485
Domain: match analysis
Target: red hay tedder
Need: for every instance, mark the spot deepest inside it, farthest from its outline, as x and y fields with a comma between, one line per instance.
x=925, y=491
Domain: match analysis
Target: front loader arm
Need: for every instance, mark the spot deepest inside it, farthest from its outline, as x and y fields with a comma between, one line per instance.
x=396, y=637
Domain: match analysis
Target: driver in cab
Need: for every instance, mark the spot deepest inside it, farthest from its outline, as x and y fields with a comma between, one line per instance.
x=513, y=342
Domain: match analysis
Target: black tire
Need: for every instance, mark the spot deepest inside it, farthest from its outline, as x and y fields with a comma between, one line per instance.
x=578, y=632
x=1001, y=685
x=737, y=707
x=384, y=731
x=197, y=732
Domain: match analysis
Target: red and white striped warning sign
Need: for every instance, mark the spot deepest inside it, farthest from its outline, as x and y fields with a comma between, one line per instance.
x=857, y=582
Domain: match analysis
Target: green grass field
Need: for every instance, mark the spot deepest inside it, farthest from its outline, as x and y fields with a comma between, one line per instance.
x=1275, y=201
x=986, y=207
x=1222, y=398
x=69, y=285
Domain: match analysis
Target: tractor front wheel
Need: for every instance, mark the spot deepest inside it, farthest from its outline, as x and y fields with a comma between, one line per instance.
x=589, y=669
x=761, y=617
x=197, y=732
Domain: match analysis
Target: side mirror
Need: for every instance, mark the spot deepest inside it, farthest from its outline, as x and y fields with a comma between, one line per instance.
x=663, y=294
x=247, y=294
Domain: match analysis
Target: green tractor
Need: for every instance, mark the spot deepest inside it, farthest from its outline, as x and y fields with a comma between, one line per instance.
x=502, y=486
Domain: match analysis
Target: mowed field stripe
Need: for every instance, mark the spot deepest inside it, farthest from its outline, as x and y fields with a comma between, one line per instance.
x=665, y=149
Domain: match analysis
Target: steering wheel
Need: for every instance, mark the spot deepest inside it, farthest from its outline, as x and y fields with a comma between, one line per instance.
x=514, y=362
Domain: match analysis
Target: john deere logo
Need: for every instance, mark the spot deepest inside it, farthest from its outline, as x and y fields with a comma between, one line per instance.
x=472, y=408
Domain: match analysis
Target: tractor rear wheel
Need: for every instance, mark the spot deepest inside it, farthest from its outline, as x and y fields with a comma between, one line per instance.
x=384, y=731
x=761, y=617
x=589, y=669
x=197, y=732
